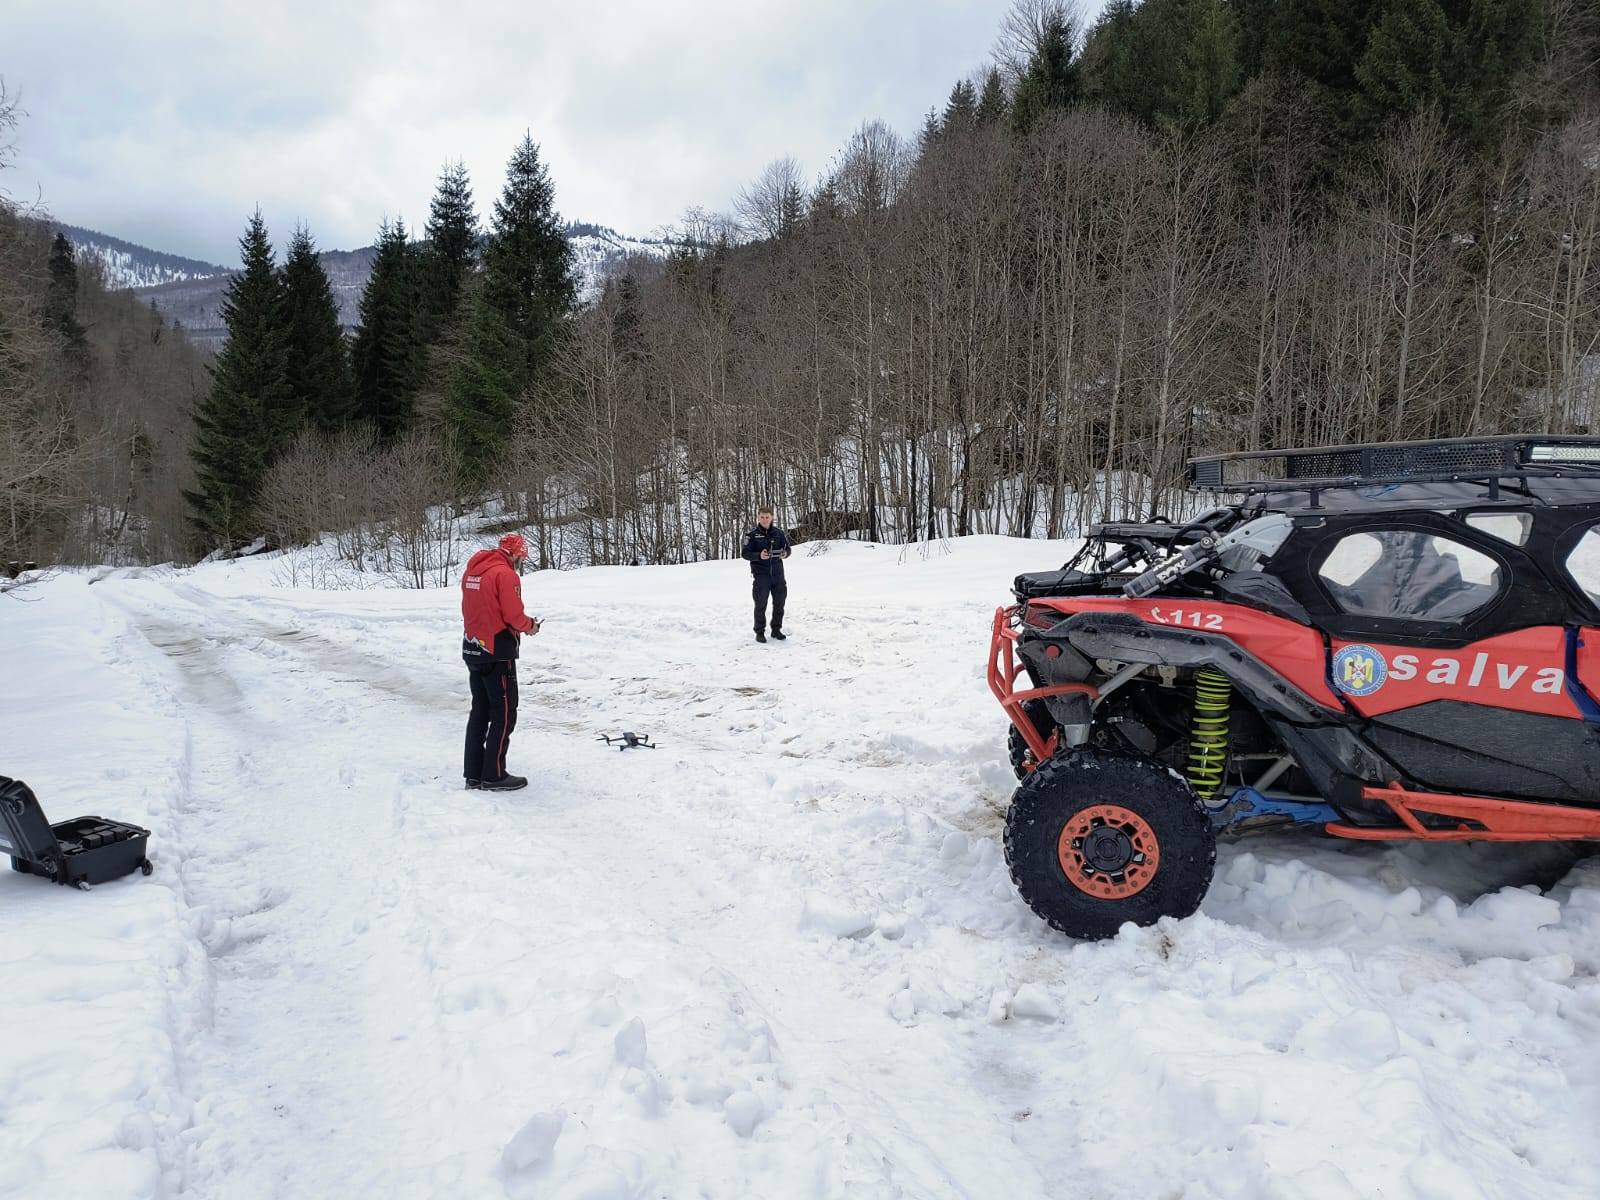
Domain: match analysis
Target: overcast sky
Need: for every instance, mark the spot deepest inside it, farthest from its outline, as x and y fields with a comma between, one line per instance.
x=166, y=122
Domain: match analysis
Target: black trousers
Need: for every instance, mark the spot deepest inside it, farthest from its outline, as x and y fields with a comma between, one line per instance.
x=494, y=716
x=762, y=587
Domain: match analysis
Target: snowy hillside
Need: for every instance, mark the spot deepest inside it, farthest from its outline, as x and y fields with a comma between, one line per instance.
x=599, y=252
x=778, y=957
x=127, y=265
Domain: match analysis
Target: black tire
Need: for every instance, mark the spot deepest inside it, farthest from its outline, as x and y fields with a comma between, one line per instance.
x=1038, y=712
x=1082, y=785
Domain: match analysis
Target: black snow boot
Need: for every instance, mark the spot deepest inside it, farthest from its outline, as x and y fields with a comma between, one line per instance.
x=508, y=783
x=779, y=635
x=473, y=785
x=760, y=637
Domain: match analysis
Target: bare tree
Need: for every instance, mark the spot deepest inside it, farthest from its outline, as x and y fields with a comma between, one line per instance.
x=10, y=115
x=1023, y=30
x=774, y=205
x=1023, y=333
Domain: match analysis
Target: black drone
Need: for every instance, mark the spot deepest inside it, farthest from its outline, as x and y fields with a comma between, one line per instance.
x=630, y=741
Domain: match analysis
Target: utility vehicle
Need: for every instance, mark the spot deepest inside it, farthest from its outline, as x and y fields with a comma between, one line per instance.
x=1378, y=642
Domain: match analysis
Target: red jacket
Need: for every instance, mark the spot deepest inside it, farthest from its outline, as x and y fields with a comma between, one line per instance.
x=491, y=608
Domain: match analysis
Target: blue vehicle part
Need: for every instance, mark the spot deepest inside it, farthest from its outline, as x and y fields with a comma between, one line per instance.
x=1575, y=689
x=1247, y=804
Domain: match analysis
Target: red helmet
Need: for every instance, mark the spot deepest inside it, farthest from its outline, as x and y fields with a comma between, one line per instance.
x=515, y=545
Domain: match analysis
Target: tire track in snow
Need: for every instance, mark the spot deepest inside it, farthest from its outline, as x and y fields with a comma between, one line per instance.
x=870, y=1119
x=282, y=881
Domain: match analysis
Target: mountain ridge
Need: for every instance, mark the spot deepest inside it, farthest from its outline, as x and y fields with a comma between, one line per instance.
x=130, y=264
x=190, y=292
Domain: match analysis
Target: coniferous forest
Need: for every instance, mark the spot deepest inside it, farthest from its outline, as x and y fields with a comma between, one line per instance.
x=1190, y=226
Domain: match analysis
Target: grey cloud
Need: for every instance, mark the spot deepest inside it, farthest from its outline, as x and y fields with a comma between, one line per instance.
x=166, y=123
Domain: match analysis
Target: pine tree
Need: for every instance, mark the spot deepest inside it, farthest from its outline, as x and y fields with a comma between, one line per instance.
x=249, y=396
x=992, y=102
x=527, y=293
x=1051, y=81
x=61, y=303
x=387, y=355
x=452, y=244
x=319, y=361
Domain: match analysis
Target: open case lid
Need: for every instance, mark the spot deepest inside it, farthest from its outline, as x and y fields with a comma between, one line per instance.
x=25, y=832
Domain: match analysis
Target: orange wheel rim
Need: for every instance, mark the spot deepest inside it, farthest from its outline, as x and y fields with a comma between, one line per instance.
x=1109, y=852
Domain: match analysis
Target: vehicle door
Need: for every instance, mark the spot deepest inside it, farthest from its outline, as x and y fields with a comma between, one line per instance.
x=1445, y=633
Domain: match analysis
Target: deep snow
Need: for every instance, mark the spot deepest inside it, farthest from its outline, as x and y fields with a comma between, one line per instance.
x=778, y=957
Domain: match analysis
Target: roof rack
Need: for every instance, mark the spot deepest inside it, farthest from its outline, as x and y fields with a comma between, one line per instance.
x=1483, y=459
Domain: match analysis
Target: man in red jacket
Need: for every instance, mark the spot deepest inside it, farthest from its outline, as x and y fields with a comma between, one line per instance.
x=491, y=609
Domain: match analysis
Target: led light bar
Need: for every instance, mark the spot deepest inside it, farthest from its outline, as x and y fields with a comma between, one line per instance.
x=1379, y=463
x=1563, y=453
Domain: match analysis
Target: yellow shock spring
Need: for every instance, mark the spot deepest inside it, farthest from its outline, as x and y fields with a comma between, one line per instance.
x=1208, y=739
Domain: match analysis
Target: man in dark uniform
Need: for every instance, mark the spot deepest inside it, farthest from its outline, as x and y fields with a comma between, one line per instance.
x=765, y=548
x=491, y=610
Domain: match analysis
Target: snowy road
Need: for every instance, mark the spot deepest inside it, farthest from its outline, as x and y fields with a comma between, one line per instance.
x=778, y=957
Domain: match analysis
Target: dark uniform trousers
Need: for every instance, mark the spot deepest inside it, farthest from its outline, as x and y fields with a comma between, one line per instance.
x=774, y=586
x=493, y=717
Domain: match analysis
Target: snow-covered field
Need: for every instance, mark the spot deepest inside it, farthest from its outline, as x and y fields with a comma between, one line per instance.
x=777, y=957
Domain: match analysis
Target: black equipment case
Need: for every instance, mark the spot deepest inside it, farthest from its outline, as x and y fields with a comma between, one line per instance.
x=84, y=851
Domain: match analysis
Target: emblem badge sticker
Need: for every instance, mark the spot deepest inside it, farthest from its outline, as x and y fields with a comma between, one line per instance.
x=1359, y=670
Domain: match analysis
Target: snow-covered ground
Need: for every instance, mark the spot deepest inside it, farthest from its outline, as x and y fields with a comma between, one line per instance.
x=777, y=957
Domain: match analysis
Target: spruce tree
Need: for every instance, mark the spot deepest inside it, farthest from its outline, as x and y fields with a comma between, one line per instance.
x=387, y=354
x=792, y=210
x=825, y=207
x=249, y=396
x=319, y=361
x=1209, y=72
x=1322, y=40
x=1459, y=56
x=961, y=110
x=1405, y=65
x=992, y=102
x=527, y=292
x=61, y=302
x=528, y=264
x=482, y=390
x=1110, y=58
x=627, y=326
x=447, y=259
x=1051, y=81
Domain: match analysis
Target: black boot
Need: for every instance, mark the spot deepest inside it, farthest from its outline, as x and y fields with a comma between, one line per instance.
x=473, y=785
x=779, y=635
x=507, y=783
x=760, y=637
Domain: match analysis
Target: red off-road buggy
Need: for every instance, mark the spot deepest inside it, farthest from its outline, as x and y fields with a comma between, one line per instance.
x=1382, y=641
